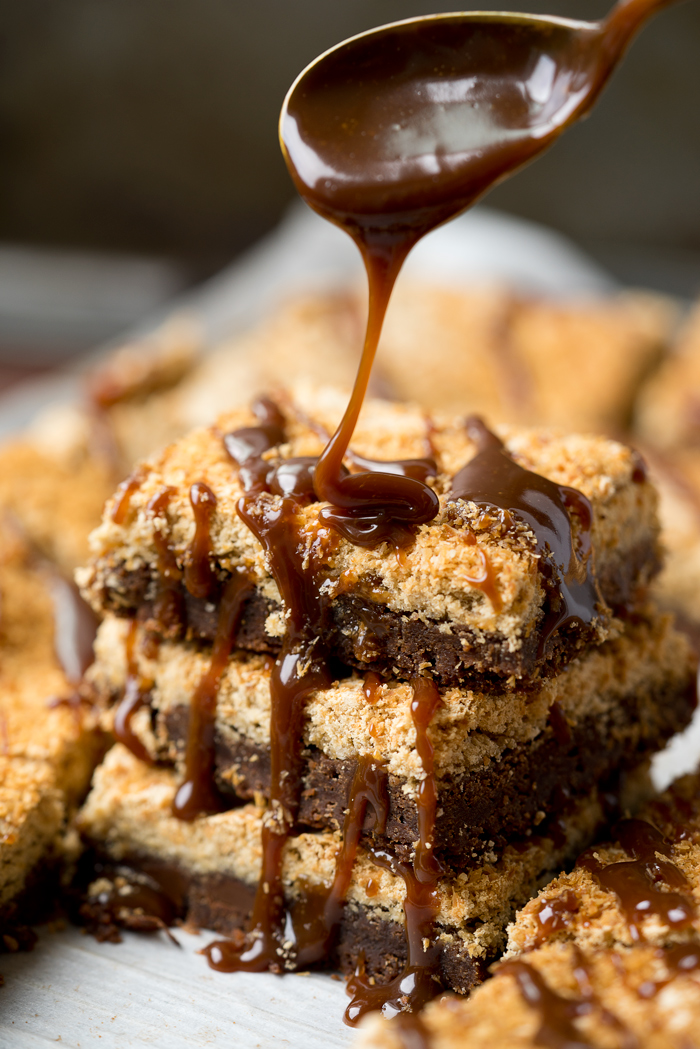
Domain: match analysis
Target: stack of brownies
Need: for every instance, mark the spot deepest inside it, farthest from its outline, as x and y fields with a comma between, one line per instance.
x=477, y=693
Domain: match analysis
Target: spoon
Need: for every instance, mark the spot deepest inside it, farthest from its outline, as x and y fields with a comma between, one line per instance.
x=399, y=129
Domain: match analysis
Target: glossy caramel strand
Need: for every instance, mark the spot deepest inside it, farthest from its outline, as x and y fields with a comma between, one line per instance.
x=197, y=794
x=372, y=686
x=300, y=668
x=316, y=921
x=127, y=900
x=136, y=695
x=168, y=608
x=554, y=914
x=122, y=500
x=199, y=576
x=420, y=980
x=426, y=700
x=494, y=481
x=487, y=581
x=634, y=881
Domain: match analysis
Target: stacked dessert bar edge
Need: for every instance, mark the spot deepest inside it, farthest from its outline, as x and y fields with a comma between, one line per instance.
x=607, y=956
x=492, y=683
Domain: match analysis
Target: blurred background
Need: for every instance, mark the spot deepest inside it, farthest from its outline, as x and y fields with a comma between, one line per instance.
x=139, y=154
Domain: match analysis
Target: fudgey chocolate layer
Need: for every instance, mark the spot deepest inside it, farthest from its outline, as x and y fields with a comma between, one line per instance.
x=467, y=594
x=210, y=868
x=505, y=761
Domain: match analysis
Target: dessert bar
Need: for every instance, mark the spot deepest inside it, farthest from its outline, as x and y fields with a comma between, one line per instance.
x=206, y=871
x=607, y=956
x=477, y=589
x=492, y=351
x=610, y=999
x=511, y=356
x=667, y=409
x=50, y=738
x=504, y=760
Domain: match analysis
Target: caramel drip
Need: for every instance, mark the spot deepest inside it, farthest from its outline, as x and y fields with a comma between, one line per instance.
x=486, y=582
x=136, y=695
x=420, y=980
x=197, y=794
x=124, y=493
x=557, y=1013
x=199, y=575
x=75, y=626
x=495, y=482
x=426, y=700
x=300, y=668
x=554, y=914
x=168, y=606
x=131, y=900
x=634, y=881
x=314, y=936
x=167, y=610
x=372, y=687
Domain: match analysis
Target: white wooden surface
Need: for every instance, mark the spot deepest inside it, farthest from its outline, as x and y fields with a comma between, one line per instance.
x=75, y=992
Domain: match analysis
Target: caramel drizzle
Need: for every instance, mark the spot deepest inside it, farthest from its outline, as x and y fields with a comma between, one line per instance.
x=634, y=881
x=372, y=687
x=197, y=794
x=557, y=1013
x=366, y=515
x=300, y=668
x=136, y=695
x=487, y=581
x=199, y=575
x=310, y=925
x=494, y=481
x=280, y=938
x=420, y=980
x=122, y=500
x=167, y=610
x=553, y=915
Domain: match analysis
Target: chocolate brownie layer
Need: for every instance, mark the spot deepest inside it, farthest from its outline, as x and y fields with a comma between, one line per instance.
x=504, y=760
x=472, y=589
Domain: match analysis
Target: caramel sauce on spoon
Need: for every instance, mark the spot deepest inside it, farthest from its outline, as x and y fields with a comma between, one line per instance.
x=399, y=129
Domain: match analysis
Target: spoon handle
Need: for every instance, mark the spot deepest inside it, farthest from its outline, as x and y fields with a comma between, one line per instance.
x=626, y=17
